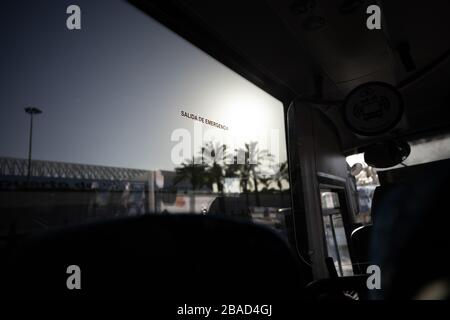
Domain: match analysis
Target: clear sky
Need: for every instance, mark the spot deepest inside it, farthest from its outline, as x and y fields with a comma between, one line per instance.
x=112, y=92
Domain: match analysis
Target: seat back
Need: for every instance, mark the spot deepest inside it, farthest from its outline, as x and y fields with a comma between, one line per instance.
x=158, y=256
x=409, y=240
x=360, y=241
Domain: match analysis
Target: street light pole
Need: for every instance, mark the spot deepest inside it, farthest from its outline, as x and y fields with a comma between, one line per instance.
x=31, y=112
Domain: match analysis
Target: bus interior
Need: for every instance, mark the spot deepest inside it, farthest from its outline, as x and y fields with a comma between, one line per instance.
x=347, y=197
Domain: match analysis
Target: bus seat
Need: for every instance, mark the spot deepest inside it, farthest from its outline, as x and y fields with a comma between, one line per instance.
x=158, y=256
x=409, y=238
x=360, y=242
x=361, y=236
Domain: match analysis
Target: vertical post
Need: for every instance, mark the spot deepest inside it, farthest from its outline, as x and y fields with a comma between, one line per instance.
x=29, y=147
x=31, y=112
x=151, y=192
x=336, y=246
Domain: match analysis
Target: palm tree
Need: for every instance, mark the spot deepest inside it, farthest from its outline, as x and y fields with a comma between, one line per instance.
x=232, y=170
x=195, y=174
x=265, y=181
x=282, y=174
x=213, y=154
x=254, y=158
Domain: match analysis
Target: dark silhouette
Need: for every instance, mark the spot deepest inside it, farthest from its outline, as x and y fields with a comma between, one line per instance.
x=213, y=155
x=281, y=175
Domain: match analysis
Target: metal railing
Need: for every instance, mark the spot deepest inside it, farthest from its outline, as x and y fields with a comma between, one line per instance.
x=53, y=169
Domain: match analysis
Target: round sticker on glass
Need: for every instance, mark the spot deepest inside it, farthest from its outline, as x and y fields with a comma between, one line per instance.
x=373, y=108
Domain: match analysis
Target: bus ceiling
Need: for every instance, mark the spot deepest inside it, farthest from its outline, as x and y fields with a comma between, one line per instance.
x=319, y=51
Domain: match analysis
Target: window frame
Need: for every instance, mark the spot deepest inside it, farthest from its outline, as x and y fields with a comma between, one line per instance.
x=338, y=187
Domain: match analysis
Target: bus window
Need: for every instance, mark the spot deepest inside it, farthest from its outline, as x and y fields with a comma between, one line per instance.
x=137, y=123
x=335, y=236
x=366, y=182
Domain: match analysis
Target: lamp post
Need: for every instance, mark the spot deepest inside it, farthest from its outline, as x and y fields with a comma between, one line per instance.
x=31, y=111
